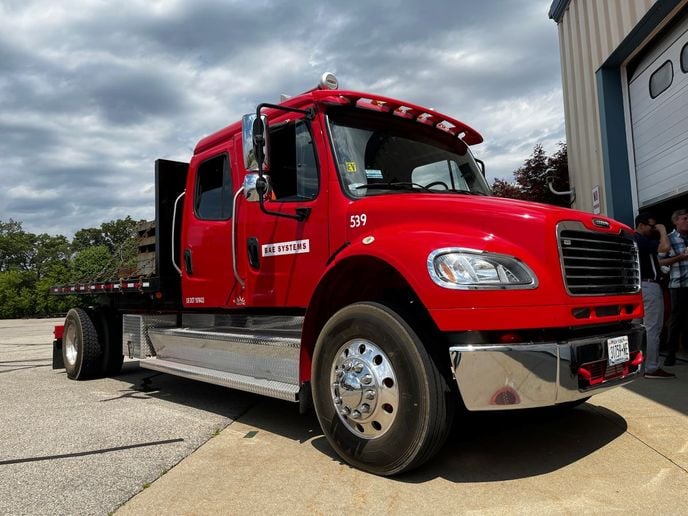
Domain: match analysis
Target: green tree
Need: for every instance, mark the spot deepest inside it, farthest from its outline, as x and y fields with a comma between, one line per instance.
x=29, y=264
x=114, y=234
x=118, y=238
x=16, y=294
x=91, y=263
x=16, y=246
x=47, y=251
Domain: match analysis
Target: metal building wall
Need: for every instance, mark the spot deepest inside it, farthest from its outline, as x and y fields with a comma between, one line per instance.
x=589, y=31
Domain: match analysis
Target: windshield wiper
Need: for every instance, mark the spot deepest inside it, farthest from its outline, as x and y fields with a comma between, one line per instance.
x=394, y=186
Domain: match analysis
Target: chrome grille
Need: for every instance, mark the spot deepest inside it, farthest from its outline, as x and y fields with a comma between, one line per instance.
x=597, y=263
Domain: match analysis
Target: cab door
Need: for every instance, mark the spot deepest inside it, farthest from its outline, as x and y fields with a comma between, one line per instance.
x=206, y=247
x=283, y=258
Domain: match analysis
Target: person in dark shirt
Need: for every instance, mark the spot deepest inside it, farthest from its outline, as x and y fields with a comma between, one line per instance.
x=646, y=230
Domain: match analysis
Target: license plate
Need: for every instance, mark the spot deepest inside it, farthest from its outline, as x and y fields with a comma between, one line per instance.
x=617, y=350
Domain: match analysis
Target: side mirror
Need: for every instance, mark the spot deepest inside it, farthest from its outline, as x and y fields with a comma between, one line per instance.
x=256, y=186
x=255, y=141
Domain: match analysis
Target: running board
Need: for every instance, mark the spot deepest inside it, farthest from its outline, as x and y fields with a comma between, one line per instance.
x=258, y=354
x=272, y=388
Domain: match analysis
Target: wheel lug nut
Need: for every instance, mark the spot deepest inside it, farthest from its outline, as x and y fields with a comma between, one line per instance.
x=346, y=411
x=338, y=400
x=356, y=414
x=370, y=395
x=365, y=408
x=358, y=368
x=367, y=379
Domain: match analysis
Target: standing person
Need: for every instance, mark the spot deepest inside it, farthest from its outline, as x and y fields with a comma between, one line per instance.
x=677, y=258
x=646, y=228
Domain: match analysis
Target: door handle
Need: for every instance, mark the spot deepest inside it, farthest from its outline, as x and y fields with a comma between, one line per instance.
x=253, y=255
x=187, y=261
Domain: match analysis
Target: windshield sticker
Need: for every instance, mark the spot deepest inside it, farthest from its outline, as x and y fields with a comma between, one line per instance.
x=282, y=248
x=373, y=173
x=350, y=166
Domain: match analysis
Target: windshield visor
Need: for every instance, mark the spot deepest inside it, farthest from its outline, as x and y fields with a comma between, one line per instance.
x=378, y=155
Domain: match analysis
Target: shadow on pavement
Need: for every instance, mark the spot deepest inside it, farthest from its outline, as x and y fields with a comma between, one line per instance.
x=669, y=392
x=482, y=447
x=146, y=384
x=492, y=447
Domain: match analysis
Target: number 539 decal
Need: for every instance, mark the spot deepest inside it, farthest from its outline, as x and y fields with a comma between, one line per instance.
x=356, y=221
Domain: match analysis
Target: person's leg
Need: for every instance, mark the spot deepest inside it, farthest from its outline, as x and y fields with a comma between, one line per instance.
x=677, y=322
x=683, y=310
x=653, y=303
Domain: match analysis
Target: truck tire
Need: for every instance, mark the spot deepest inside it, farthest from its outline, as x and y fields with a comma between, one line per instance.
x=81, y=349
x=110, y=335
x=381, y=402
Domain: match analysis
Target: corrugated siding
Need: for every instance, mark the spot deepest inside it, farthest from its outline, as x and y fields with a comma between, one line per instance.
x=588, y=33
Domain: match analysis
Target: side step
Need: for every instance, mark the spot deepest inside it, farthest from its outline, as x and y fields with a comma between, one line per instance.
x=258, y=354
x=272, y=388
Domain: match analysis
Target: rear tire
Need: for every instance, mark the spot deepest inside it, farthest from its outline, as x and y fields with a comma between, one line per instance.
x=81, y=349
x=109, y=326
x=380, y=399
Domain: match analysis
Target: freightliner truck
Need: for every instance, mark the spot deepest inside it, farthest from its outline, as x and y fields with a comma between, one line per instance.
x=342, y=250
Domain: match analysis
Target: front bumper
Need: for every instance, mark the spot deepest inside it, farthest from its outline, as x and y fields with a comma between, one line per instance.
x=526, y=375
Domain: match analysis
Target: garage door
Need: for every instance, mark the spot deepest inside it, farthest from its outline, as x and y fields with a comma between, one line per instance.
x=658, y=93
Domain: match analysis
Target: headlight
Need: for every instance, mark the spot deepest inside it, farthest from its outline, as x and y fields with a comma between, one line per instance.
x=473, y=269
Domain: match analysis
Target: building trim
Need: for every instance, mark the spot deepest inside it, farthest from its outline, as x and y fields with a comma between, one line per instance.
x=645, y=27
x=617, y=176
x=557, y=9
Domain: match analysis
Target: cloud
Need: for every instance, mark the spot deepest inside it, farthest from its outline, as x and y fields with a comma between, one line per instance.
x=91, y=93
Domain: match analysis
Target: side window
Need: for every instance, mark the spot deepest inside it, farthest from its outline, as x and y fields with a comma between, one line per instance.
x=293, y=162
x=684, y=58
x=214, y=189
x=661, y=79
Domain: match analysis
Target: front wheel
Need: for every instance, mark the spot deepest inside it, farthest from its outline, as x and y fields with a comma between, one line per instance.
x=380, y=399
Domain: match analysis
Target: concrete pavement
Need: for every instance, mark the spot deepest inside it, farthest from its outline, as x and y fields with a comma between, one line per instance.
x=91, y=447
x=625, y=451
x=86, y=447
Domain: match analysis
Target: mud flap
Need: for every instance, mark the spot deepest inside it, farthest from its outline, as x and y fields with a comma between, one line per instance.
x=58, y=360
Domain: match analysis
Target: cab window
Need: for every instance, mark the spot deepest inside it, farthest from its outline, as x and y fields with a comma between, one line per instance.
x=214, y=189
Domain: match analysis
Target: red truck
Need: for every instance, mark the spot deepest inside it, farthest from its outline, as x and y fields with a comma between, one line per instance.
x=343, y=250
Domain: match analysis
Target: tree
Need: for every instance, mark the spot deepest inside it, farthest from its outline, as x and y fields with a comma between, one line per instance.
x=91, y=264
x=502, y=188
x=16, y=294
x=47, y=250
x=114, y=234
x=531, y=179
x=15, y=246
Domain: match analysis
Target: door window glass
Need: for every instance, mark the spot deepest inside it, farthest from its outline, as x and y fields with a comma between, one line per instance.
x=293, y=162
x=214, y=189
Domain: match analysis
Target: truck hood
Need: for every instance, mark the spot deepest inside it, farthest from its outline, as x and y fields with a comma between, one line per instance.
x=403, y=230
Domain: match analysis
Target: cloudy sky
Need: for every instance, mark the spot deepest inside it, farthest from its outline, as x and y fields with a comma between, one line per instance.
x=93, y=91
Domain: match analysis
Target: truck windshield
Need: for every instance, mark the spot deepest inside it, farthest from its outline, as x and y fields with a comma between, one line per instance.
x=378, y=154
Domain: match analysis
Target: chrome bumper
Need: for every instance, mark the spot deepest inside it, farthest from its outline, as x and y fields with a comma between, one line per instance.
x=526, y=375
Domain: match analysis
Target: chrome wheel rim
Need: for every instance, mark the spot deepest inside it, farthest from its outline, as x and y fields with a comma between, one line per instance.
x=364, y=389
x=69, y=343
